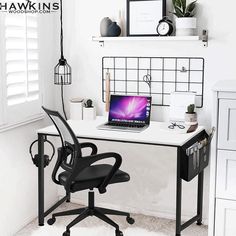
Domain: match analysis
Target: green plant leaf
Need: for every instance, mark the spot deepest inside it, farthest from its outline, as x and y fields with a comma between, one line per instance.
x=191, y=7
x=192, y=14
x=176, y=14
x=187, y=14
x=174, y=3
x=177, y=3
x=179, y=12
x=184, y=5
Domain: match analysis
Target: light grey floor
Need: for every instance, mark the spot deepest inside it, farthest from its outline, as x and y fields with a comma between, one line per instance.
x=146, y=222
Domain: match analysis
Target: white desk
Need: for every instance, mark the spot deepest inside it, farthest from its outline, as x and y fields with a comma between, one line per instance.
x=154, y=135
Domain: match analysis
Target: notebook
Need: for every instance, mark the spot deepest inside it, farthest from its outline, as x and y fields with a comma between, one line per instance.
x=128, y=113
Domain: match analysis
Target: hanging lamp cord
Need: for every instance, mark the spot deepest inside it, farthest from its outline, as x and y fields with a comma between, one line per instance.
x=62, y=99
x=62, y=57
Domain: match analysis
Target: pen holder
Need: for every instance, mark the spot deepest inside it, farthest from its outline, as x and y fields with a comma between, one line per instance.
x=89, y=113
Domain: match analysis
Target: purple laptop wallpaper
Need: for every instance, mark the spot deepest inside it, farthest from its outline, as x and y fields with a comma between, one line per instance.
x=129, y=108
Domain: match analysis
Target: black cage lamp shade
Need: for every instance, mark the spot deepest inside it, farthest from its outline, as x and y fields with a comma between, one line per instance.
x=62, y=71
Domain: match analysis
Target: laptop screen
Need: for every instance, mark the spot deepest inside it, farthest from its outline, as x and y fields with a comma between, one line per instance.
x=130, y=109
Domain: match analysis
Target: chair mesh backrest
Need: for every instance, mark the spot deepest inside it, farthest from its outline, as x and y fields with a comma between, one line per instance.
x=66, y=133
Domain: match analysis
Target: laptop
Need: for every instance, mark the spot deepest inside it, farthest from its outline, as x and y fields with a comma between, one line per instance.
x=128, y=113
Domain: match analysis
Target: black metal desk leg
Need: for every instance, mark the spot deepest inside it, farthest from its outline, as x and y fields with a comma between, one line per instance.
x=178, y=195
x=41, y=180
x=200, y=197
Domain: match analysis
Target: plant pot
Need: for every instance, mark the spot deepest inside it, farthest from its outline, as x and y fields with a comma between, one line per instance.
x=191, y=118
x=186, y=26
x=89, y=113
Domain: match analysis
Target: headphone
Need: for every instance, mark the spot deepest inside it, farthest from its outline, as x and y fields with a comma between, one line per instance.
x=36, y=158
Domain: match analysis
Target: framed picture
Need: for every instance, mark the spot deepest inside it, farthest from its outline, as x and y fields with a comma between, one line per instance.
x=143, y=16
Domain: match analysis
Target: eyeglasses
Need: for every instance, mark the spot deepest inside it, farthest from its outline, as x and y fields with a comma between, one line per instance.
x=173, y=125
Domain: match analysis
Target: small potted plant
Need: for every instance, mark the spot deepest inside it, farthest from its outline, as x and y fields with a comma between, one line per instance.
x=89, y=111
x=186, y=23
x=191, y=115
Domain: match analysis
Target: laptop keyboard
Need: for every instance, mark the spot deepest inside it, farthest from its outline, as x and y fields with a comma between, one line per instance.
x=126, y=125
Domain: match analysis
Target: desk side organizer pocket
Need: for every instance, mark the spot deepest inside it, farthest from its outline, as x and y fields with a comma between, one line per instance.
x=195, y=158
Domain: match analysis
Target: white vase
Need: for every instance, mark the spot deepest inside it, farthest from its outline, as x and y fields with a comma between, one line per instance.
x=186, y=26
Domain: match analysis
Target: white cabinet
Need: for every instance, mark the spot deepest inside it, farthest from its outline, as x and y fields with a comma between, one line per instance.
x=226, y=175
x=222, y=211
x=227, y=124
x=225, y=218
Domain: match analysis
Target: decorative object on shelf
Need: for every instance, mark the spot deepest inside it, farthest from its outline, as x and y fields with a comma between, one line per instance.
x=191, y=115
x=165, y=27
x=186, y=26
x=76, y=109
x=62, y=71
x=186, y=23
x=143, y=16
x=89, y=111
x=108, y=28
x=121, y=22
x=105, y=23
x=114, y=30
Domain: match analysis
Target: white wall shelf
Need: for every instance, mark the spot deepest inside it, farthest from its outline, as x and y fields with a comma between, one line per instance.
x=102, y=40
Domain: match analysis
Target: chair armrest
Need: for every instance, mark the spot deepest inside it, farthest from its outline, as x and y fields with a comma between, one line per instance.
x=62, y=154
x=82, y=163
x=90, y=145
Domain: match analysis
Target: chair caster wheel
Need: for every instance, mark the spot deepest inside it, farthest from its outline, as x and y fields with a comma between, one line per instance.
x=118, y=233
x=51, y=221
x=199, y=223
x=130, y=220
x=66, y=233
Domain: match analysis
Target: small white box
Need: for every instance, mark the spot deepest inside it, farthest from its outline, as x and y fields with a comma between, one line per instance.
x=89, y=113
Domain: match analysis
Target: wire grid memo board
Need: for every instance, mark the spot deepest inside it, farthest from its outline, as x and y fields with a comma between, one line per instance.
x=154, y=76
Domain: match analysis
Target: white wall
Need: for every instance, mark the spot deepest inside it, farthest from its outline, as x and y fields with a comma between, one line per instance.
x=82, y=22
x=151, y=190
x=18, y=199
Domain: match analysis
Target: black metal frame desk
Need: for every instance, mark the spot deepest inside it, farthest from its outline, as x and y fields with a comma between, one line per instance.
x=154, y=135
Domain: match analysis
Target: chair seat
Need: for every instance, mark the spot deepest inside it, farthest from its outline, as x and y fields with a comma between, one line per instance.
x=92, y=177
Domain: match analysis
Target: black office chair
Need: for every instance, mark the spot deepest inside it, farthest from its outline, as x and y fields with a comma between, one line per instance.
x=80, y=173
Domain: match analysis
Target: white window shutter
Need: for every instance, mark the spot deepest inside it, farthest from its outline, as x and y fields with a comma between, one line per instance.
x=22, y=84
x=2, y=71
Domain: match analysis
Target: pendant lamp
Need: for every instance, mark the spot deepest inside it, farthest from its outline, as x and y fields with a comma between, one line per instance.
x=62, y=71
